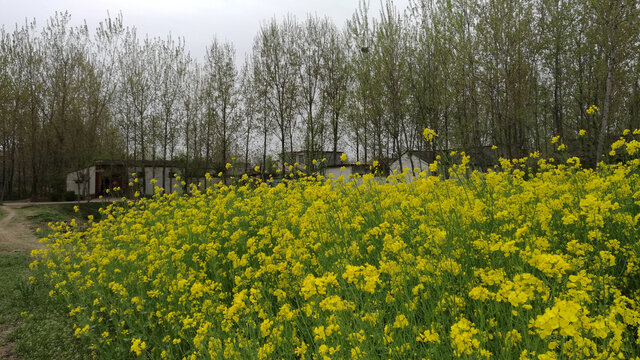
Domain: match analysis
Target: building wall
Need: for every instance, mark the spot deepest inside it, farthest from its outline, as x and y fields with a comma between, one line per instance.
x=87, y=187
x=202, y=183
x=71, y=182
x=336, y=172
x=156, y=173
x=92, y=180
x=418, y=164
x=151, y=173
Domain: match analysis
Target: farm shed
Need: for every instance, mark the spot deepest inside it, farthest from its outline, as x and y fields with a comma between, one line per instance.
x=345, y=170
x=480, y=158
x=304, y=157
x=102, y=175
x=415, y=161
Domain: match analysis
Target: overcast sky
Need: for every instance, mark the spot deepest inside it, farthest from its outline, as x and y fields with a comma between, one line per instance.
x=198, y=21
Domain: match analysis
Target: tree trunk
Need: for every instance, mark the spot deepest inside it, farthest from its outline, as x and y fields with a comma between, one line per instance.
x=606, y=108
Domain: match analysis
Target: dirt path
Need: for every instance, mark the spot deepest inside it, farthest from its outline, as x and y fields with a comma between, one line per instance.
x=15, y=235
x=7, y=350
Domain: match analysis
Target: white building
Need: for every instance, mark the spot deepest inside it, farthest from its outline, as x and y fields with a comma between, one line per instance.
x=82, y=181
x=413, y=161
x=346, y=170
x=164, y=178
x=112, y=178
x=481, y=158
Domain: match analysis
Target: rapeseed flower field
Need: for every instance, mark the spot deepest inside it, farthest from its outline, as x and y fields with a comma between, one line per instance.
x=535, y=259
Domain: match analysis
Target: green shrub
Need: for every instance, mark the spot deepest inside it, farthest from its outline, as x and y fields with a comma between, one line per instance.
x=70, y=196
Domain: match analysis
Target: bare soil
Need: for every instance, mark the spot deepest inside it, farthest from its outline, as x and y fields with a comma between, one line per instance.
x=15, y=236
x=7, y=347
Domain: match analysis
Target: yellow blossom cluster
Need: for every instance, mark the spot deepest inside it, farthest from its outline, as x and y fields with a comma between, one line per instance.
x=528, y=259
x=429, y=135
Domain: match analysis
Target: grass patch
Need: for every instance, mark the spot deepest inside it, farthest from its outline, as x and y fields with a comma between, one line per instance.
x=62, y=212
x=2, y=213
x=33, y=324
x=13, y=269
x=40, y=329
x=46, y=331
x=39, y=216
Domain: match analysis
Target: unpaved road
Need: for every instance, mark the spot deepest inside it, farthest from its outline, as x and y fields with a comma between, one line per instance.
x=15, y=236
x=7, y=350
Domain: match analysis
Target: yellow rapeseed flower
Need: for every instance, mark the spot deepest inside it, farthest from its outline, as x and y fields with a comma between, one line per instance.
x=137, y=345
x=429, y=135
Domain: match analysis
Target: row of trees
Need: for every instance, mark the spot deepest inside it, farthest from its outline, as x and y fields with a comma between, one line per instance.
x=480, y=73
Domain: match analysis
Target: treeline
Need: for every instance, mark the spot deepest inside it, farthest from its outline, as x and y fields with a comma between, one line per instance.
x=480, y=73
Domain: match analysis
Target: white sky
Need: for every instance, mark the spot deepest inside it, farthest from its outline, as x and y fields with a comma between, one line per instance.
x=198, y=21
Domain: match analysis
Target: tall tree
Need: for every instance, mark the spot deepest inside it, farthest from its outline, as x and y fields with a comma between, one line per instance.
x=220, y=85
x=615, y=30
x=337, y=79
x=278, y=62
x=139, y=93
x=190, y=128
x=312, y=47
x=65, y=50
x=365, y=109
x=256, y=92
x=172, y=62
x=508, y=53
x=249, y=105
x=391, y=67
